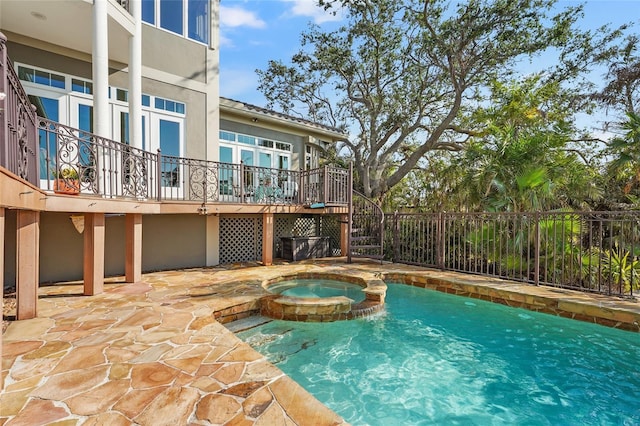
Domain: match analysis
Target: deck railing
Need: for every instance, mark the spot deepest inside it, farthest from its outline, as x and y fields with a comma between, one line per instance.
x=588, y=251
x=75, y=161
x=18, y=141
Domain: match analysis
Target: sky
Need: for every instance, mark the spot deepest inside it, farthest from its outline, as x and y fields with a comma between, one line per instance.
x=252, y=32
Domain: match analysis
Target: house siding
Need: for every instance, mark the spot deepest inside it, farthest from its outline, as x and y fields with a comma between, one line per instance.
x=173, y=241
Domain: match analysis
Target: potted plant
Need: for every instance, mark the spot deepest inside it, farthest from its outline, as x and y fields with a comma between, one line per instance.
x=66, y=181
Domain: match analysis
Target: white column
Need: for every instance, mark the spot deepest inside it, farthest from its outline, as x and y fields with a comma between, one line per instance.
x=100, y=58
x=135, y=77
x=213, y=85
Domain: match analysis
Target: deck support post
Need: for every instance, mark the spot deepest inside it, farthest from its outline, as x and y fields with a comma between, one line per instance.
x=344, y=235
x=93, y=253
x=27, y=263
x=133, y=248
x=267, y=239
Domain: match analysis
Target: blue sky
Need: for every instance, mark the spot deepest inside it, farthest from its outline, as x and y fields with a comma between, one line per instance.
x=254, y=31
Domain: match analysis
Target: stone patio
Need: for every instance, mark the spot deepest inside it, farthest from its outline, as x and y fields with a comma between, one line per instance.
x=156, y=352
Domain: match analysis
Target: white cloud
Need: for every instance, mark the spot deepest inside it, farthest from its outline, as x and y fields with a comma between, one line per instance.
x=239, y=17
x=310, y=9
x=225, y=41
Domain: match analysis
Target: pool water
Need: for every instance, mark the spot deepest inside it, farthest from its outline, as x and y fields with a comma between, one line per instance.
x=308, y=287
x=435, y=358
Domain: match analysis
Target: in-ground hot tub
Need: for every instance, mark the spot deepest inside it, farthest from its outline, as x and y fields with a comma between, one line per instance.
x=322, y=297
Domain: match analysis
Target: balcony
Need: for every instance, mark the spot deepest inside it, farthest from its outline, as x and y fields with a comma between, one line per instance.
x=61, y=159
x=77, y=162
x=68, y=25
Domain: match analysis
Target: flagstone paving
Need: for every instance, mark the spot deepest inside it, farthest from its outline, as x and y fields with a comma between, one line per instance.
x=156, y=352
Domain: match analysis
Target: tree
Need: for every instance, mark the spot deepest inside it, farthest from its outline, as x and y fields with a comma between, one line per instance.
x=624, y=167
x=622, y=89
x=527, y=158
x=403, y=76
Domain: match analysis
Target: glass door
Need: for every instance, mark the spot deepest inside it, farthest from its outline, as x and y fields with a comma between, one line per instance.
x=134, y=165
x=82, y=154
x=167, y=135
x=52, y=106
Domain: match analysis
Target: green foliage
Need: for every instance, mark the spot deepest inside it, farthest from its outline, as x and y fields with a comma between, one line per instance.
x=621, y=269
x=68, y=173
x=625, y=149
x=404, y=77
x=525, y=159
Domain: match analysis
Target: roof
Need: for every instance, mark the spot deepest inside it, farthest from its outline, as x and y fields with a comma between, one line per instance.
x=255, y=111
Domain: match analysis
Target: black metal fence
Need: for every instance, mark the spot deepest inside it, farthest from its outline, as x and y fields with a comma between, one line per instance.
x=588, y=251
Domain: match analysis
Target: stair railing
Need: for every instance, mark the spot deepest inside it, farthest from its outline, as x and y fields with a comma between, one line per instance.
x=366, y=227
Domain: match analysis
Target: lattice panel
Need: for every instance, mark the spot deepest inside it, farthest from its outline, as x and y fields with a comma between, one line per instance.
x=320, y=226
x=330, y=227
x=289, y=225
x=240, y=239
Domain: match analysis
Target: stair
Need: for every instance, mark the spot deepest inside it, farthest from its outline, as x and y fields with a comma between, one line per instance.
x=366, y=228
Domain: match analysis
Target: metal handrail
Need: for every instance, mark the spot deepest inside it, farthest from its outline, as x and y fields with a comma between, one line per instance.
x=18, y=139
x=94, y=165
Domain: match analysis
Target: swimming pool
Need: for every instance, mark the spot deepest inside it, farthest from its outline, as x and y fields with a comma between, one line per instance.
x=434, y=358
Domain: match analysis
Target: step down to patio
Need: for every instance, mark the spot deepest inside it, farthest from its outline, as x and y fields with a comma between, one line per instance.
x=246, y=323
x=365, y=247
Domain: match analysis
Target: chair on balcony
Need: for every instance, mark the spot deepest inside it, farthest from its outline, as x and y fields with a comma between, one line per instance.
x=289, y=191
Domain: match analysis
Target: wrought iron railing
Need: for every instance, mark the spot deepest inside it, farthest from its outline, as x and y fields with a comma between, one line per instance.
x=75, y=161
x=124, y=4
x=588, y=251
x=18, y=141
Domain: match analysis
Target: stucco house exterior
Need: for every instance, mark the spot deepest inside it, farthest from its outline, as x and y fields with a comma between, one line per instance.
x=166, y=173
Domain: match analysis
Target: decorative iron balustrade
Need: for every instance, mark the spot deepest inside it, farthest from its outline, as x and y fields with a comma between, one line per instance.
x=124, y=4
x=588, y=251
x=18, y=141
x=75, y=161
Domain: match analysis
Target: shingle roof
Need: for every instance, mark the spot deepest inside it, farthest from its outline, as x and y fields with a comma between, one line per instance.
x=243, y=106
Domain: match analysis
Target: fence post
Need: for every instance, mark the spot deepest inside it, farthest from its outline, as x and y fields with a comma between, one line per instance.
x=241, y=182
x=440, y=243
x=396, y=237
x=350, y=215
x=325, y=189
x=159, y=176
x=536, y=251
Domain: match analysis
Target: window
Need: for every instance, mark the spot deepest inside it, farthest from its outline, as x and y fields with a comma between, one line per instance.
x=169, y=105
x=265, y=143
x=81, y=86
x=171, y=15
x=41, y=77
x=266, y=150
x=227, y=136
x=198, y=20
x=122, y=95
x=249, y=140
x=188, y=18
x=149, y=11
x=283, y=146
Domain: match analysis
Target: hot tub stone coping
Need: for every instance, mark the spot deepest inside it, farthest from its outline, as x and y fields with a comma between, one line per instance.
x=315, y=309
